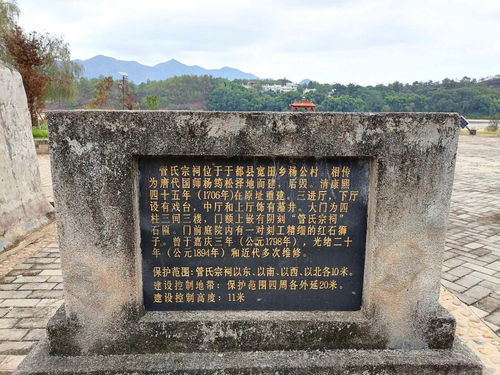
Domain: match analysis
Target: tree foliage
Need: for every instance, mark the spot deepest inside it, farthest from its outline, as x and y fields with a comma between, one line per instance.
x=467, y=96
x=25, y=54
x=101, y=92
x=43, y=61
x=9, y=11
x=152, y=102
x=127, y=99
x=343, y=103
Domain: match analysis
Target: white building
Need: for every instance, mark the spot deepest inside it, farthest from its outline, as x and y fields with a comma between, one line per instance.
x=289, y=87
x=308, y=90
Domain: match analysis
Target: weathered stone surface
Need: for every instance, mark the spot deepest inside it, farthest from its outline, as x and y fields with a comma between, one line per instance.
x=94, y=155
x=458, y=361
x=23, y=207
x=212, y=331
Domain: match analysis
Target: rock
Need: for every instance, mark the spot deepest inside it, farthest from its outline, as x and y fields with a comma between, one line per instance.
x=23, y=207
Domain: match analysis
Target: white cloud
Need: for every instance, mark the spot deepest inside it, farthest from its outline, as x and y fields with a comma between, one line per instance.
x=359, y=41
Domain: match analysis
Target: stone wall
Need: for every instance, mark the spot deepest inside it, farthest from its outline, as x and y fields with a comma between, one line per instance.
x=23, y=207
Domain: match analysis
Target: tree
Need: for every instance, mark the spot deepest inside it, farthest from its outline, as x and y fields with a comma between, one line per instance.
x=466, y=96
x=9, y=11
x=26, y=56
x=152, y=102
x=343, y=103
x=63, y=85
x=43, y=61
x=127, y=98
x=101, y=93
x=45, y=65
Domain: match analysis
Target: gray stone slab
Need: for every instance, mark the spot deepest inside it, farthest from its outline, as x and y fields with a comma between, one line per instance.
x=489, y=304
x=94, y=155
x=27, y=312
x=20, y=302
x=51, y=273
x=46, y=294
x=9, y=286
x=12, y=334
x=24, y=272
x=30, y=279
x=468, y=281
x=23, y=207
x=35, y=334
x=14, y=294
x=16, y=347
x=494, y=318
x=38, y=286
x=32, y=323
x=8, y=322
x=478, y=292
x=458, y=361
x=50, y=266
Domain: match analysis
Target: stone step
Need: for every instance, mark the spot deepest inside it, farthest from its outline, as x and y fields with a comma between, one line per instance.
x=458, y=361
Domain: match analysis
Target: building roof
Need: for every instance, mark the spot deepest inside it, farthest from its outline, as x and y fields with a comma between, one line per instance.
x=303, y=103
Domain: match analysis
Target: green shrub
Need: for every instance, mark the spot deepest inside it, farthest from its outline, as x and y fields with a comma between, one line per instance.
x=40, y=131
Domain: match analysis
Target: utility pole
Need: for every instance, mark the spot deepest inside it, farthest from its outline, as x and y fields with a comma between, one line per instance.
x=124, y=81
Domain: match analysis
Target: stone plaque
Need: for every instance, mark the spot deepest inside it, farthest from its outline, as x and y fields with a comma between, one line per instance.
x=253, y=233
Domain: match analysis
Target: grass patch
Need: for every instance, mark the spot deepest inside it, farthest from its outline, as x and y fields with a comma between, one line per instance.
x=482, y=132
x=40, y=131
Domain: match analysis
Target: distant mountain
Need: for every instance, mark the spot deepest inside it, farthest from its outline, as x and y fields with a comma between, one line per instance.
x=108, y=66
x=304, y=82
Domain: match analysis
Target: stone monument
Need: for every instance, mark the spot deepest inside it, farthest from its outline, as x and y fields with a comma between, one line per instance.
x=251, y=243
x=23, y=207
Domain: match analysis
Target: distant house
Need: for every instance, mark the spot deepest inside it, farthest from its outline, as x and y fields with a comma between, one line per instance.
x=289, y=87
x=303, y=105
x=250, y=85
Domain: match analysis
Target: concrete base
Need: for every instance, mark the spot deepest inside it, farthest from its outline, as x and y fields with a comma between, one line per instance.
x=456, y=361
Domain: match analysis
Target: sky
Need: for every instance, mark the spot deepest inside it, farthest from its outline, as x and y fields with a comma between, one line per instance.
x=345, y=41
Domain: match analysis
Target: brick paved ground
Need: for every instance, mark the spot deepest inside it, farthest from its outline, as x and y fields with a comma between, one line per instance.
x=30, y=293
x=46, y=176
x=472, y=256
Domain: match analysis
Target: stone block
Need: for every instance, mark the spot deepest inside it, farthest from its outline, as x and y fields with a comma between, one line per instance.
x=4, y=294
x=32, y=323
x=12, y=334
x=28, y=312
x=51, y=273
x=400, y=327
x=11, y=362
x=478, y=292
x=468, y=281
x=458, y=361
x=23, y=207
x=35, y=334
x=38, y=286
x=16, y=347
x=46, y=294
x=30, y=279
x=19, y=302
x=488, y=304
x=494, y=318
x=7, y=322
x=9, y=286
x=460, y=271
